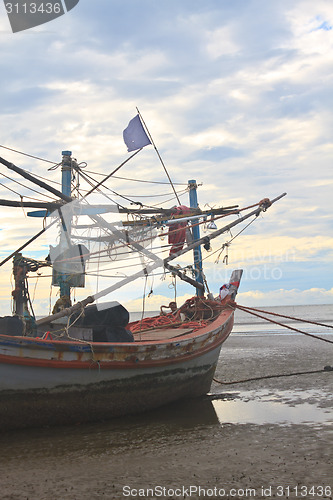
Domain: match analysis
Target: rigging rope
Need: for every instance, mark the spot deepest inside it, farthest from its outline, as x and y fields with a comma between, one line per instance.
x=26, y=187
x=26, y=154
x=159, y=156
x=139, y=180
x=250, y=311
x=150, y=196
x=180, y=193
x=125, y=197
x=90, y=180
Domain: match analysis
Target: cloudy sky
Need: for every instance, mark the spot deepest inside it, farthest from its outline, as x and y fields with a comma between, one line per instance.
x=237, y=95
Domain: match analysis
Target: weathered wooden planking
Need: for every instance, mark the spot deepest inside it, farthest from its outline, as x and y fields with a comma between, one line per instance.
x=158, y=334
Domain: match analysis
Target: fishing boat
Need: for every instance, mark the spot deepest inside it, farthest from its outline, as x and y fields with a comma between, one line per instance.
x=87, y=361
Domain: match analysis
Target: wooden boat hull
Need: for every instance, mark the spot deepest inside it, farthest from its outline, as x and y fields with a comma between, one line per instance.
x=45, y=382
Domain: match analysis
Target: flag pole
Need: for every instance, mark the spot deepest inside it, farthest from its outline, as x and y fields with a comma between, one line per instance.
x=110, y=175
x=158, y=154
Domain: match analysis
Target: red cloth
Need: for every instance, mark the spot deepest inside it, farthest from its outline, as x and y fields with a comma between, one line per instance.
x=177, y=231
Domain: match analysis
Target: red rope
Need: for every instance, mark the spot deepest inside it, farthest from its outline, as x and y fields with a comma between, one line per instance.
x=195, y=308
x=153, y=322
x=164, y=321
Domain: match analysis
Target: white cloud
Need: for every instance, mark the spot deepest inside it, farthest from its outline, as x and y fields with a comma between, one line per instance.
x=210, y=138
x=221, y=42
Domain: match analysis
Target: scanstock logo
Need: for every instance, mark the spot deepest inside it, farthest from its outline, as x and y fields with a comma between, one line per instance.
x=25, y=14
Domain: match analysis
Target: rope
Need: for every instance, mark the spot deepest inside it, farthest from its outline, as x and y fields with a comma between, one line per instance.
x=161, y=195
x=160, y=205
x=326, y=369
x=287, y=317
x=195, y=309
x=159, y=156
x=139, y=180
x=25, y=187
x=125, y=197
x=26, y=154
x=248, y=310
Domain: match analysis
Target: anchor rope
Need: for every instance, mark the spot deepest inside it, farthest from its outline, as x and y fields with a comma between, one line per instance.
x=325, y=369
x=251, y=311
x=246, y=308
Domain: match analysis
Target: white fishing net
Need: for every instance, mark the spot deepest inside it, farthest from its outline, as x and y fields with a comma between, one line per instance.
x=94, y=241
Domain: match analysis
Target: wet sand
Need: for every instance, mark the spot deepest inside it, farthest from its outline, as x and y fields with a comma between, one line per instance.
x=270, y=438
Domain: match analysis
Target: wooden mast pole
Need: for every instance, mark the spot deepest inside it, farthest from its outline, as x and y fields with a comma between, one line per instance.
x=66, y=178
x=197, y=255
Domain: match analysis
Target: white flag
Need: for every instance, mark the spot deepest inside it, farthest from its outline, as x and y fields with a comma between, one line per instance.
x=135, y=136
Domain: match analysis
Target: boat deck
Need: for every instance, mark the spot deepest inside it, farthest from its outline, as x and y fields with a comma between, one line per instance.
x=161, y=334
x=86, y=334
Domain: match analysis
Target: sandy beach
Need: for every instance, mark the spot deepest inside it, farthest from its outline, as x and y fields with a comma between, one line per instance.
x=270, y=438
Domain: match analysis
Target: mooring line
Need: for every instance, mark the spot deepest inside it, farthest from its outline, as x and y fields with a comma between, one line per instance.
x=325, y=369
x=250, y=311
x=285, y=316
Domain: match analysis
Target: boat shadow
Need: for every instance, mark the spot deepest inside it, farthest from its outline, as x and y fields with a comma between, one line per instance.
x=173, y=423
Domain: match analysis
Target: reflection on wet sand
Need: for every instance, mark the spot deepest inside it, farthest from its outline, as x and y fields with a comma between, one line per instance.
x=262, y=407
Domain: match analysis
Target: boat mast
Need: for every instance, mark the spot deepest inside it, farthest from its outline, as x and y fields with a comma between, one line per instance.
x=66, y=177
x=197, y=256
